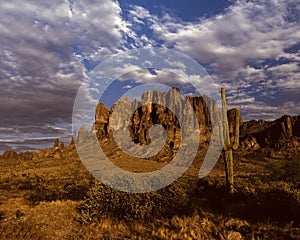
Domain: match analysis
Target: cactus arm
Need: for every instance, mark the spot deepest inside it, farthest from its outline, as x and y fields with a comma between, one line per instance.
x=237, y=130
x=222, y=134
x=227, y=139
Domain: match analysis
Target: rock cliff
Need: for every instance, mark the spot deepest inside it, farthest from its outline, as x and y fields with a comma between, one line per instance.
x=167, y=109
x=280, y=137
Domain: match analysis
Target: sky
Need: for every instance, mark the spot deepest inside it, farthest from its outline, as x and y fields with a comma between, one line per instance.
x=48, y=48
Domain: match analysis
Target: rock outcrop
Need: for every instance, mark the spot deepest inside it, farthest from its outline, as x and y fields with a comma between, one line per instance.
x=167, y=109
x=272, y=134
x=9, y=154
x=281, y=137
x=26, y=156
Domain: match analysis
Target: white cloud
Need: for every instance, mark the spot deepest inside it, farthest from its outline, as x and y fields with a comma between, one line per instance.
x=247, y=31
x=127, y=87
x=42, y=42
x=41, y=46
x=233, y=42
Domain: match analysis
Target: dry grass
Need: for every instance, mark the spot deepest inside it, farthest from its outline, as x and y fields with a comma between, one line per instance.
x=48, y=220
x=36, y=203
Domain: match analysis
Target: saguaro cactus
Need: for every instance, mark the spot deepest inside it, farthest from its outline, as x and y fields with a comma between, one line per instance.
x=228, y=145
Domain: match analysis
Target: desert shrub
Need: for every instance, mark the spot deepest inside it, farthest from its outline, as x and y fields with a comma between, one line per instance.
x=103, y=201
x=27, y=184
x=41, y=189
x=288, y=170
x=5, y=185
x=275, y=200
x=283, y=193
x=210, y=193
x=280, y=201
x=254, y=198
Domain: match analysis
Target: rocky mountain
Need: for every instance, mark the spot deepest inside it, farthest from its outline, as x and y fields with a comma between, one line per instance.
x=167, y=109
x=57, y=152
x=278, y=138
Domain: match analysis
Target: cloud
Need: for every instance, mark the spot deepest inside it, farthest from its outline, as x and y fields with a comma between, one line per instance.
x=252, y=48
x=47, y=48
x=247, y=31
x=29, y=138
x=42, y=46
x=127, y=87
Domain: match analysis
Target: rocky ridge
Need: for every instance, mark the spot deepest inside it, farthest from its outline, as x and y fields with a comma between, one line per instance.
x=278, y=139
x=145, y=115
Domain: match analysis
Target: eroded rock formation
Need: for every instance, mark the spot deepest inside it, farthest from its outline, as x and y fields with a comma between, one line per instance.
x=281, y=137
x=167, y=109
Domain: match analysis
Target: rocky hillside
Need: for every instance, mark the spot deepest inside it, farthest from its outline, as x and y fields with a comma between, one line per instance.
x=277, y=138
x=280, y=138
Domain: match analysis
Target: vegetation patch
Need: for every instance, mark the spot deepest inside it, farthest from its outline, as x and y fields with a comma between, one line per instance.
x=102, y=201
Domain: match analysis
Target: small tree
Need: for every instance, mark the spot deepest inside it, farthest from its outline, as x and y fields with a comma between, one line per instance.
x=228, y=145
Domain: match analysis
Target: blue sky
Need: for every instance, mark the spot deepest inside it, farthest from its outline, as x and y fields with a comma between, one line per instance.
x=47, y=48
x=189, y=10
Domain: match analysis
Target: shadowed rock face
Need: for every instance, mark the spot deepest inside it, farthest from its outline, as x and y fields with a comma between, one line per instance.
x=151, y=110
x=273, y=134
x=280, y=137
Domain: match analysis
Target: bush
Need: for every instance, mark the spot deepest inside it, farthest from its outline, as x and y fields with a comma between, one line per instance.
x=103, y=201
x=253, y=199
x=288, y=171
x=43, y=190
